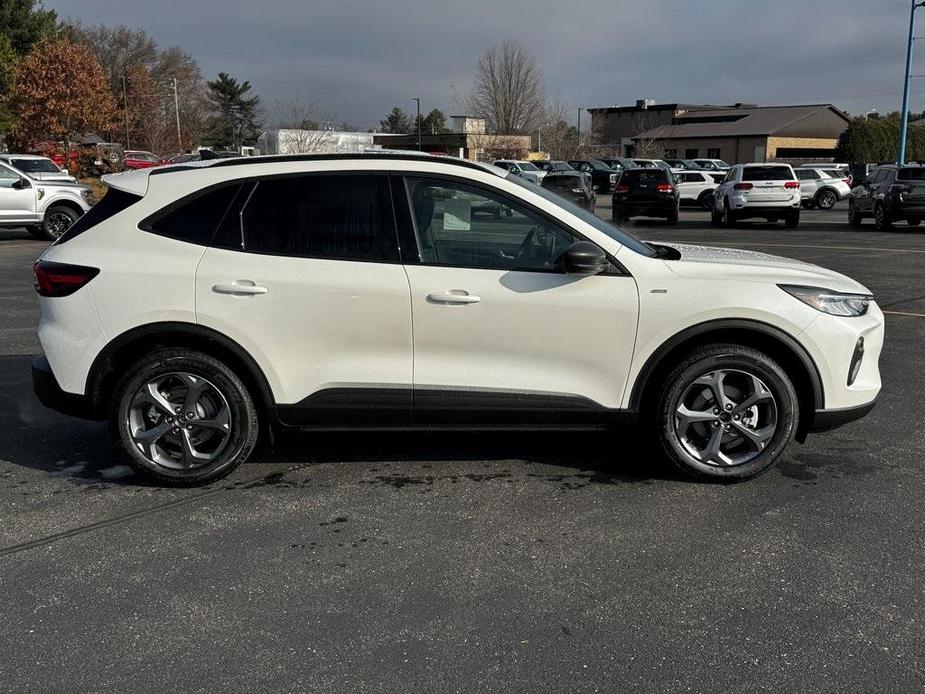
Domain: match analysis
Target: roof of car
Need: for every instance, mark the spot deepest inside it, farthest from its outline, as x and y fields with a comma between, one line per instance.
x=12, y=155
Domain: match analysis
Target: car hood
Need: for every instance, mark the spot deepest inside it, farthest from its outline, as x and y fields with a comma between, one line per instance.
x=55, y=177
x=750, y=266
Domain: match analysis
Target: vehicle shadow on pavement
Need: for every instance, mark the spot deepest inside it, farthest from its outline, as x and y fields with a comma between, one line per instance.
x=32, y=436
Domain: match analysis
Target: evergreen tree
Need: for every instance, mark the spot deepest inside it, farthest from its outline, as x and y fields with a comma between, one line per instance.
x=396, y=122
x=24, y=22
x=235, y=114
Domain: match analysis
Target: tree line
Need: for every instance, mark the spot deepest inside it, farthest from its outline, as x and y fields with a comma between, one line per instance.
x=876, y=139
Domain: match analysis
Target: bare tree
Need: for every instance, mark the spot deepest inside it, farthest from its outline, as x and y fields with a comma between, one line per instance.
x=508, y=89
x=302, y=121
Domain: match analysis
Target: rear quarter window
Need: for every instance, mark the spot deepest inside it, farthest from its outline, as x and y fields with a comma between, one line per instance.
x=113, y=202
x=767, y=173
x=195, y=218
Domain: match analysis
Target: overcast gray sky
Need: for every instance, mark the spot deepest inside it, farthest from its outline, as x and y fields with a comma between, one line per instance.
x=358, y=59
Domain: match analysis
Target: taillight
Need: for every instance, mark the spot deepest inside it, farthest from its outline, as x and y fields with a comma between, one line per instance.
x=743, y=186
x=621, y=189
x=61, y=279
x=664, y=187
x=792, y=184
x=847, y=180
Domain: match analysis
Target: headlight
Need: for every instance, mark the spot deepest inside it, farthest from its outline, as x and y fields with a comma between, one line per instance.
x=828, y=301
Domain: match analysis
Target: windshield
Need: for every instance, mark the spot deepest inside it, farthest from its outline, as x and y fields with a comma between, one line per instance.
x=35, y=165
x=720, y=162
x=599, y=165
x=527, y=166
x=617, y=235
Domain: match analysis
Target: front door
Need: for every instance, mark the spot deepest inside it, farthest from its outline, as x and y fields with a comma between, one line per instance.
x=501, y=336
x=16, y=204
x=310, y=283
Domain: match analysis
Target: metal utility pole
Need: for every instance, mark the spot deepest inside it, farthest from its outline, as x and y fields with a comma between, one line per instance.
x=904, y=128
x=125, y=111
x=579, y=127
x=176, y=106
x=417, y=101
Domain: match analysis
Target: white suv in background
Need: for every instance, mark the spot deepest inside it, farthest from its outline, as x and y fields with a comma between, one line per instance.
x=525, y=169
x=821, y=187
x=749, y=191
x=696, y=186
x=38, y=167
x=198, y=305
x=46, y=208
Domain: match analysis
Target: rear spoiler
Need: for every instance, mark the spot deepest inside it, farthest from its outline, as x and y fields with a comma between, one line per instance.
x=134, y=181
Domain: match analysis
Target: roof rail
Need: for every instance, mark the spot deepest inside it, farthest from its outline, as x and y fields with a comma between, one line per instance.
x=280, y=158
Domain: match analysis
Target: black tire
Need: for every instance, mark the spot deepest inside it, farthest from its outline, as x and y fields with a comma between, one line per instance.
x=826, y=199
x=913, y=221
x=716, y=218
x=37, y=232
x=855, y=218
x=57, y=220
x=808, y=204
x=243, y=423
x=706, y=200
x=729, y=218
x=792, y=219
x=739, y=360
x=673, y=216
x=882, y=219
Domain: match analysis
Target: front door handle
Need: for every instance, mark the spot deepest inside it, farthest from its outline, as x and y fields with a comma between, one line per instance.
x=239, y=288
x=453, y=296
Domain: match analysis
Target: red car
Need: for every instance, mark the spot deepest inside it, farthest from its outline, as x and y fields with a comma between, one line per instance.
x=138, y=159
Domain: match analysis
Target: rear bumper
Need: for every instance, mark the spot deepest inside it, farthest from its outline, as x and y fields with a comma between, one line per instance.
x=825, y=420
x=765, y=210
x=904, y=210
x=52, y=396
x=645, y=209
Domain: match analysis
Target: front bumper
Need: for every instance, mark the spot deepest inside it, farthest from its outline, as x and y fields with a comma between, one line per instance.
x=52, y=396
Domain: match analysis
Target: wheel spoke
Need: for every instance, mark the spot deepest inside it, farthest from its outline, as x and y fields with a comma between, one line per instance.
x=221, y=421
x=150, y=394
x=191, y=456
x=712, y=450
x=759, y=393
x=758, y=437
x=714, y=381
x=147, y=438
x=687, y=416
x=195, y=387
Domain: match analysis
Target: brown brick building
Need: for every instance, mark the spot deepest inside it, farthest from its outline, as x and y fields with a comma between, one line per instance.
x=737, y=133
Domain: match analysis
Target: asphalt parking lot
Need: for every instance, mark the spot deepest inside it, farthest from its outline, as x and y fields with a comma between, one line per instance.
x=476, y=563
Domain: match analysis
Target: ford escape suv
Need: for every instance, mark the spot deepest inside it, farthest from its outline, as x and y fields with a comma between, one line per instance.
x=197, y=306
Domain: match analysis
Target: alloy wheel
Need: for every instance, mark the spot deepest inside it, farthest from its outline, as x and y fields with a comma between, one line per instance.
x=725, y=417
x=58, y=223
x=827, y=200
x=179, y=420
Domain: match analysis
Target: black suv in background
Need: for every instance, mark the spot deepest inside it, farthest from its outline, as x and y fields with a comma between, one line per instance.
x=602, y=176
x=889, y=193
x=571, y=185
x=646, y=193
x=550, y=166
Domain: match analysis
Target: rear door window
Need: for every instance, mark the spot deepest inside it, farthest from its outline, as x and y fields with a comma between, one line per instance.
x=767, y=173
x=337, y=217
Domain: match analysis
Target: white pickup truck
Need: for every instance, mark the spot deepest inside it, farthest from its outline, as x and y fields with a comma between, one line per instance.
x=46, y=208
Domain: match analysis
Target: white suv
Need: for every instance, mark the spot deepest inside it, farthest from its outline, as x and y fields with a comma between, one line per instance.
x=768, y=191
x=525, y=169
x=696, y=187
x=821, y=187
x=198, y=305
x=46, y=208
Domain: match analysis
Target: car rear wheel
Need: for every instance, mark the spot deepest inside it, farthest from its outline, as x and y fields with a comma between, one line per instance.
x=882, y=219
x=729, y=219
x=673, y=216
x=855, y=218
x=183, y=418
x=706, y=200
x=726, y=412
x=58, y=219
x=826, y=199
x=792, y=219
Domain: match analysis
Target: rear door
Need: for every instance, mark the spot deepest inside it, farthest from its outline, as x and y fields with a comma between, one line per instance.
x=864, y=194
x=305, y=274
x=501, y=336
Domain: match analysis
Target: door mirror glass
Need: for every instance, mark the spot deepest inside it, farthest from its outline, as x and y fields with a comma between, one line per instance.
x=583, y=258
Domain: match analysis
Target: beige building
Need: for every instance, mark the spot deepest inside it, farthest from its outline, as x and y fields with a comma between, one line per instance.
x=736, y=134
x=467, y=140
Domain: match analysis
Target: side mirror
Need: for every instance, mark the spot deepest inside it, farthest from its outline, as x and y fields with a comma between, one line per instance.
x=64, y=171
x=583, y=258
x=21, y=184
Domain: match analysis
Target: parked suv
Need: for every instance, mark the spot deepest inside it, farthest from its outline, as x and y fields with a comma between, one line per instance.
x=646, y=193
x=888, y=194
x=696, y=187
x=712, y=164
x=820, y=187
x=550, y=166
x=769, y=191
x=571, y=185
x=197, y=306
x=46, y=208
x=602, y=176
x=37, y=167
x=525, y=169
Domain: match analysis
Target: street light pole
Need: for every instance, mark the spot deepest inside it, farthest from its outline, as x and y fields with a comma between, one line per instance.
x=417, y=101
x=176, y=106
x=904, y=127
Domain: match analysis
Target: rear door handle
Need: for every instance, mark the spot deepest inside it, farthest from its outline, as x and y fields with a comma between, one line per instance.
x=453, y=296
x=239, y=288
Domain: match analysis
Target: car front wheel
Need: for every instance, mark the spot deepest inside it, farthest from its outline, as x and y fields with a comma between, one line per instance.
x=183, y=418
x=57, y=220
x=726, y=412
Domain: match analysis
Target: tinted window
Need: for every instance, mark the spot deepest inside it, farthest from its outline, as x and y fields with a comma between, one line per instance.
x=8, y=177
x=912, y=174
x=563, y=182
x=196, y=218
x=336, y=217
x=465, y=226
x=835, y=173
x=635, y=178
x=767, y=173
x=806, y=175
x=112, y=203
x=35, y=165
